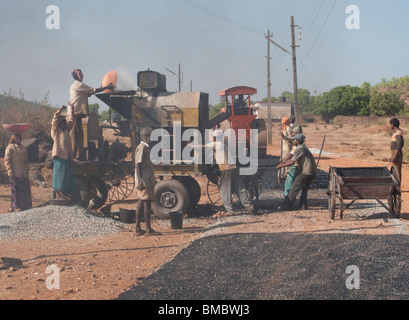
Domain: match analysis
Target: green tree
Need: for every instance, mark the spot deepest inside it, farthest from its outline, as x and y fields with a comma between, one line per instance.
x=342, y=100
x=384, y=104
x=214, y=110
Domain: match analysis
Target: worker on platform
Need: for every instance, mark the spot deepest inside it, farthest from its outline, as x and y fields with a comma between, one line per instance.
x=79, y=94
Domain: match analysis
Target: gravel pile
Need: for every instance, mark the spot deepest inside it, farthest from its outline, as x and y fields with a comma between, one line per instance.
x=54, y=222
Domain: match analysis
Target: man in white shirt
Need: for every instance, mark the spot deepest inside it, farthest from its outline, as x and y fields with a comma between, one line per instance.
x=79, y=94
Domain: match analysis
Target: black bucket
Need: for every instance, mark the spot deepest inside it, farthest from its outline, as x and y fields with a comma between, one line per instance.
x=127, y=215
x=176, y=219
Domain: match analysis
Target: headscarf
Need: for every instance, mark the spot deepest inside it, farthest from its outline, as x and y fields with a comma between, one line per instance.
x=14, y=137
x=77, y=74
x=285, y=121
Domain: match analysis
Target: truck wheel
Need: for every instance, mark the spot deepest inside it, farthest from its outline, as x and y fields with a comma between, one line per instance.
x=193, y=187
x=170, y=196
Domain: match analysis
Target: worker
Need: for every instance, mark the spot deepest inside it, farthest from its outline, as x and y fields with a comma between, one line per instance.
x=145, y=183
x=397, y=144
x=307, y=172
x=286, y=143
x=229, y=180
x=16, y=163
x=79, y=94
x=292, y=170
x=62, y=154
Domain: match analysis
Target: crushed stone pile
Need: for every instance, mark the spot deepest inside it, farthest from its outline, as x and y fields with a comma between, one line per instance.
x=54, y=222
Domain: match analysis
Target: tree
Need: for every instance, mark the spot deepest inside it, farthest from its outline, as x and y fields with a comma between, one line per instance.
x=384, y=104
x=342, y=100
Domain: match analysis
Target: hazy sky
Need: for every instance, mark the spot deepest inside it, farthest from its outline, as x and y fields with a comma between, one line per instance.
x=219, y=44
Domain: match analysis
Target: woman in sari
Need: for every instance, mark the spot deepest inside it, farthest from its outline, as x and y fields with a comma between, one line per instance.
x=63, y=179
x=16, y=163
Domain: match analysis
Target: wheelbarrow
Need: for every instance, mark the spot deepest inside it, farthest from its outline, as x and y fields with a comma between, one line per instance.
x=376, y=183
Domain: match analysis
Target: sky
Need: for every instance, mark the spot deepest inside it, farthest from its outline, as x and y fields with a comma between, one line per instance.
x=218, y=44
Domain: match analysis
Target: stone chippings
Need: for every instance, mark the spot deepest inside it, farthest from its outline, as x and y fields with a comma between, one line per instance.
x=54, y=222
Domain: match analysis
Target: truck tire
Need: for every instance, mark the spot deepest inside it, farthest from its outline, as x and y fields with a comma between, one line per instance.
x=193, y=188
x=170, y=196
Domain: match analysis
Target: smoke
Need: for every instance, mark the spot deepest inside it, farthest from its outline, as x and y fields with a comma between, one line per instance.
x=125, y=81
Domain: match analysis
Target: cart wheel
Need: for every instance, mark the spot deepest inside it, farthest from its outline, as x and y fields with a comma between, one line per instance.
x=397, y=204
x=331, y=195
x=119, y=187
x=170, y=196
x=213, y=194
x=331, y=205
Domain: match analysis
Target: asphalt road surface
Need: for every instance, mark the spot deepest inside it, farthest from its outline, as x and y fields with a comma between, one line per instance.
x=283, y=266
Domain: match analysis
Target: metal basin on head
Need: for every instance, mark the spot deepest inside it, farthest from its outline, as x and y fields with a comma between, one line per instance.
x=16, y=128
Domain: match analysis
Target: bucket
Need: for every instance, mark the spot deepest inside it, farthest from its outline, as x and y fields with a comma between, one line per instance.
x=176, y=219
x=127, y=215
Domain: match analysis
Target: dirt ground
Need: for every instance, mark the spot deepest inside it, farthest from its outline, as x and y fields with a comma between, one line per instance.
x=101, y=268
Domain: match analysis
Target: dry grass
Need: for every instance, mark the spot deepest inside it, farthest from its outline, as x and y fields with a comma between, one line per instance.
x=14, y=109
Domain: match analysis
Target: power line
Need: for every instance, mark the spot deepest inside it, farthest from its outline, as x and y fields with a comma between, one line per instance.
x=326, y=20
x=315, y=19
x=218, y=16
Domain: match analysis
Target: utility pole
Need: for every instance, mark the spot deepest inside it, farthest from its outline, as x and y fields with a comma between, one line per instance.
x=179, y=75
x=180, y=80
x=269, y=124
x=294, y=58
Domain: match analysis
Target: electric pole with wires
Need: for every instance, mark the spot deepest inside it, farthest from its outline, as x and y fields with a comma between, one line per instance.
x=294, y=58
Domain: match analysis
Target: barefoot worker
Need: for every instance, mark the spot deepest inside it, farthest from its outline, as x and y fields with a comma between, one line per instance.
x=145, y=183
x=16, y=163
x=63, y=180
x=397, y=143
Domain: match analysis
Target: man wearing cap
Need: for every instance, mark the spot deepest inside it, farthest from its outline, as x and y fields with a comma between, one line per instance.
x=307, y=170
x=79, y=94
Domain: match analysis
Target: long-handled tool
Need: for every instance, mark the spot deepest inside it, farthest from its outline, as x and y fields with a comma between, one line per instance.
x=322, y=147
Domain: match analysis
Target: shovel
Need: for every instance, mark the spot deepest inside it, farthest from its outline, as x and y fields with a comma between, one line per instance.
x=11, y=262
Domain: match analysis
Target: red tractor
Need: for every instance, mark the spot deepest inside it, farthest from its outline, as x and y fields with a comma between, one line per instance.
x=238, y=107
